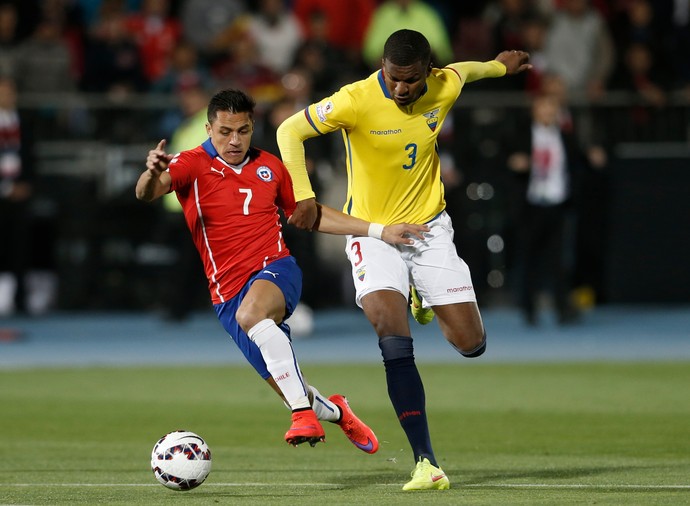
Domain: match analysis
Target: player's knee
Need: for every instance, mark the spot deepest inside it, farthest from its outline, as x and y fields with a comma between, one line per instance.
x=247, y=317
x=472, y=348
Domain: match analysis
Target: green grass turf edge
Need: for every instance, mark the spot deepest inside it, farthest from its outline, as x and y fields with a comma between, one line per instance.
x=580, y=433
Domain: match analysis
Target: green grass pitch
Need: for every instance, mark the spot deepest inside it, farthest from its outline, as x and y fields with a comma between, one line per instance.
x=594, y=433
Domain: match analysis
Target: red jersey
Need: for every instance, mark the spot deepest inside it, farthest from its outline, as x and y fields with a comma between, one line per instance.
x=156, y=39
x=232, y=213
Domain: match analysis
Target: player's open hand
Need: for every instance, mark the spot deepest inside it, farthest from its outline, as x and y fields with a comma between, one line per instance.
x=515, y=61
x=157, y=161
x=305, y=214
x=403, y=233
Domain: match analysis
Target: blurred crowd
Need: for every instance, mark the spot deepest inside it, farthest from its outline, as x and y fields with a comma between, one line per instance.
x=264, y=46
x=288, y=53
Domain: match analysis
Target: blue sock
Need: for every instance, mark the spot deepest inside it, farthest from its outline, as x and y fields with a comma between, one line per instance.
x=406, y=393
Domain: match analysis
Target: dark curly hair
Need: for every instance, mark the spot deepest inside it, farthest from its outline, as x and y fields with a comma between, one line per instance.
x=407, y=47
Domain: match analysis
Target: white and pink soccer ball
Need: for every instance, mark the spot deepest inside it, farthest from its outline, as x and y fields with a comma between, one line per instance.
x=181, y=460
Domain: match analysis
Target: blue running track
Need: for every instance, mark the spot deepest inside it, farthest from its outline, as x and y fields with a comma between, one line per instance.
x=630, y=333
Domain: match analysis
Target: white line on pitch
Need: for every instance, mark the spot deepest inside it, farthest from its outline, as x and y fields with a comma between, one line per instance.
x=158, y=485
x=467, y=485
x=573, y=485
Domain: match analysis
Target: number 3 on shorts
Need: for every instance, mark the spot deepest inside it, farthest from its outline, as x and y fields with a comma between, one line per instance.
x=357, y=252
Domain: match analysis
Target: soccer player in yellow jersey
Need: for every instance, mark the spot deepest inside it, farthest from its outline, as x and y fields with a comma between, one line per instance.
x=390, y=122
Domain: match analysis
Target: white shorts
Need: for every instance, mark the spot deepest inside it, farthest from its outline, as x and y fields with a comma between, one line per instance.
x=432, y=265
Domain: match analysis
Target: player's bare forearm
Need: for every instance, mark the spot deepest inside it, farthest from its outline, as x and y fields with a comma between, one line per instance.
x=305, y=214
x=152, y=185
x=334, y=222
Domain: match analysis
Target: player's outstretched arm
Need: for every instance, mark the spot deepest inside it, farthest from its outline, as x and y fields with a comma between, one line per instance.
x=506, y=63
x=330, y=221
x=154, y=182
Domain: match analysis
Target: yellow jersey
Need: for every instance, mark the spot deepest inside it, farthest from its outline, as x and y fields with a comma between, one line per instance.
x=392, y=161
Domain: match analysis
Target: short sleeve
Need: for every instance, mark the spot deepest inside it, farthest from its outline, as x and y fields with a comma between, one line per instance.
x=181, y=169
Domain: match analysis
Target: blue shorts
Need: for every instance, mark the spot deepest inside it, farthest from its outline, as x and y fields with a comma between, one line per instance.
x=286, y=275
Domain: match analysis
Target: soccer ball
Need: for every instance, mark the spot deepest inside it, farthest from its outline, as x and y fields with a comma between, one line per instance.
x=181, y=460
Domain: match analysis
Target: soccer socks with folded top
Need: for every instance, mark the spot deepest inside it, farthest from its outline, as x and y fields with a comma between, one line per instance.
x=406, y=393
x=281, y=362
x=325, y=409
x=474, y=353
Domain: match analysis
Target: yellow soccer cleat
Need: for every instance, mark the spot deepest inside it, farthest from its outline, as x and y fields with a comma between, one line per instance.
x=427, y=477
x=419, y=313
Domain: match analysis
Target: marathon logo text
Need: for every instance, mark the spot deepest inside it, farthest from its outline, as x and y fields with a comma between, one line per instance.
x=386, y=132
x=459, y=289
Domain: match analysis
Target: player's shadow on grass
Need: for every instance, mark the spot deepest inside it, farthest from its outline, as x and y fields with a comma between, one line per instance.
x=371, y=479
x=460, y=476
x=488, y=476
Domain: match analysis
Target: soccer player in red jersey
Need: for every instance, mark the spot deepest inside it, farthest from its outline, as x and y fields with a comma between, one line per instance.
x=230, y=193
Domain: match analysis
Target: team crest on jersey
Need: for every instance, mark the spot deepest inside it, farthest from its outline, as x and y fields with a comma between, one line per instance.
x=360, y=273
x=432, y=119
x=323, y=110
x=264, y=173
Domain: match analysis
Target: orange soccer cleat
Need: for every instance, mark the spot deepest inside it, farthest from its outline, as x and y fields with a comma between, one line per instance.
x=305, y=429
x=355, y=429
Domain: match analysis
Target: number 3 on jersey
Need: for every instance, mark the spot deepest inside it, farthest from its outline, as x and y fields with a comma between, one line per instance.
x=411, y=150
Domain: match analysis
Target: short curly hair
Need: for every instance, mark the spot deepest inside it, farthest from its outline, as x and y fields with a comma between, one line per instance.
x=407, y=47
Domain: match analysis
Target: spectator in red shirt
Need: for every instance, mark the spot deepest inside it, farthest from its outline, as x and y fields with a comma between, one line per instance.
x=347, y=21
x=156, y=33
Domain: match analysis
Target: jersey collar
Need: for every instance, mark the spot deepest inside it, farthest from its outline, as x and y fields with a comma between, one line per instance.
x=208, y=147
x=382, y=83
x=211, y=151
